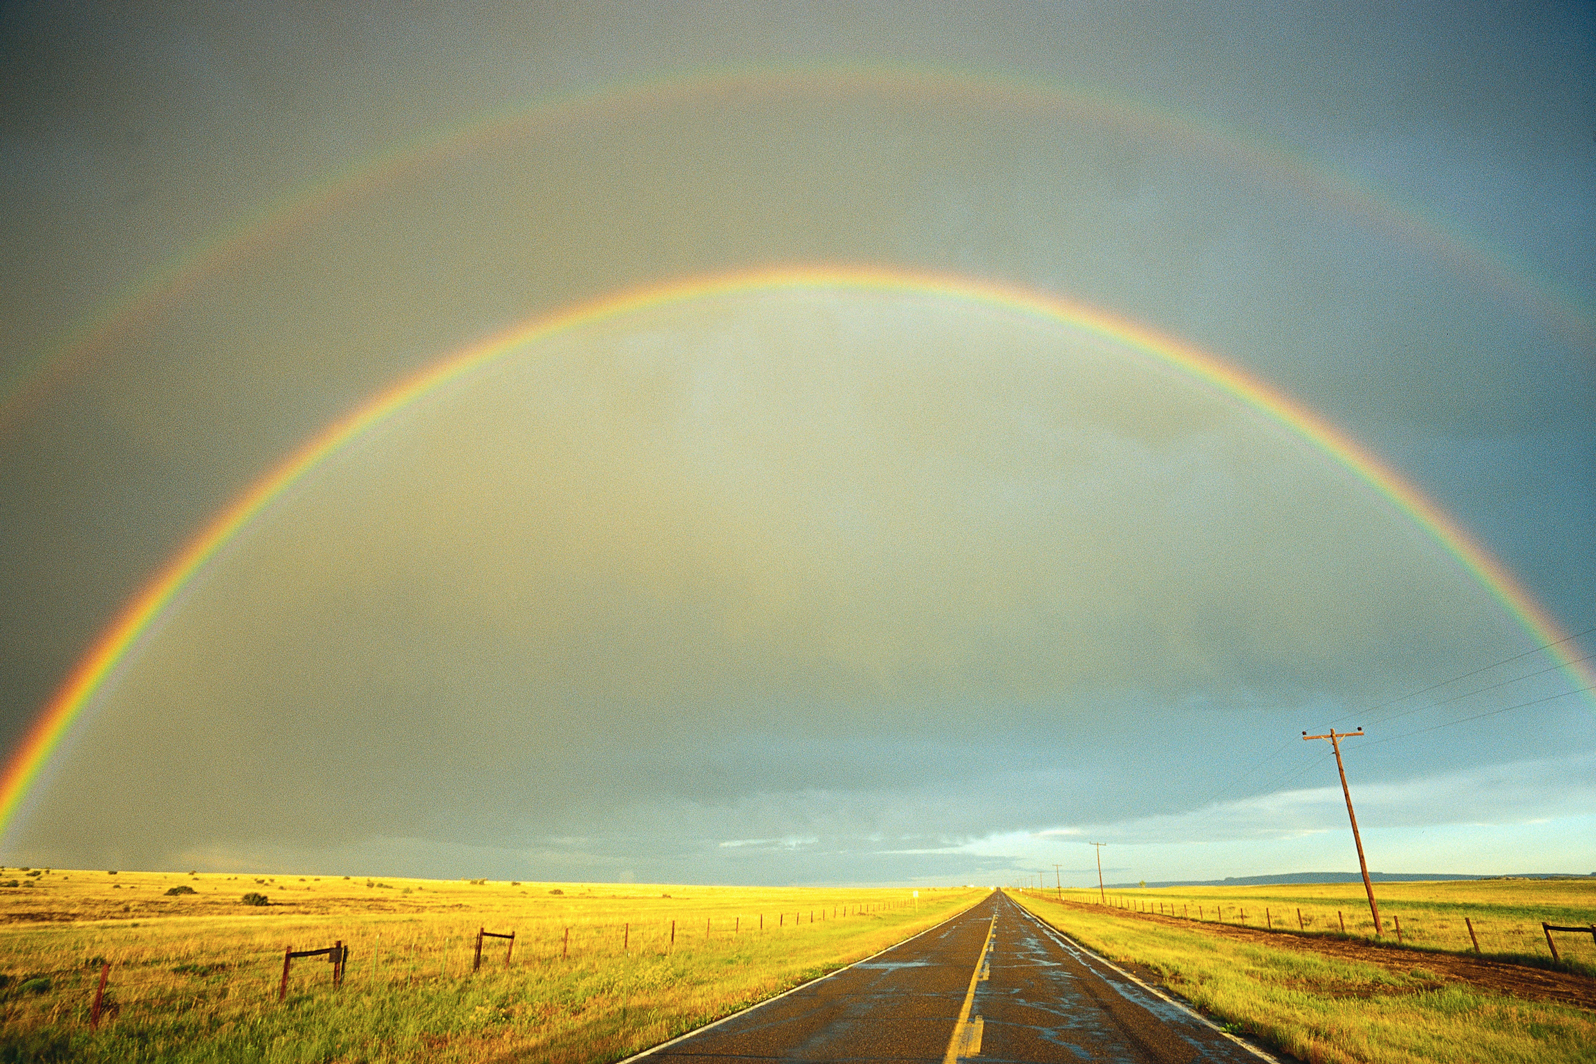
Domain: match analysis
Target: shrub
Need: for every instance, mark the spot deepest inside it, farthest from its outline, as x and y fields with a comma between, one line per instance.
x=10, y=883
x=556, y=890
x=256, y=898
x=181, y=888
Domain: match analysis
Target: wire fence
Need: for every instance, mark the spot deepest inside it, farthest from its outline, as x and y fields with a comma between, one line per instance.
x=1452, y=931
x=194, y=977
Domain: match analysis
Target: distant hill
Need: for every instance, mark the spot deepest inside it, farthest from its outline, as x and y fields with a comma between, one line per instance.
x=1336, y=877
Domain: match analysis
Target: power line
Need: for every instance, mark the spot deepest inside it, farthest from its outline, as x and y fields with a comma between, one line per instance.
x=1482, y=716
x=1466, y=675
x=1242, y=780
x=1479, y=690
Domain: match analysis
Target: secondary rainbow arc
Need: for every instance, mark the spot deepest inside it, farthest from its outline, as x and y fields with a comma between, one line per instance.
x=88, y=677
x=1568, y=313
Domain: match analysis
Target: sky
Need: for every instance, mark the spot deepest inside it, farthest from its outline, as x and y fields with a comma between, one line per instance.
x=896, y=571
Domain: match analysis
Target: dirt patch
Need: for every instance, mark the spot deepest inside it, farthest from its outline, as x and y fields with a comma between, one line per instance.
x=1484, y=973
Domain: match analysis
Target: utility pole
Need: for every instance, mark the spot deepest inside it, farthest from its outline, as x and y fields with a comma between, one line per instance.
x=1335, y=738
x=1058, y=880
x=1101, y=894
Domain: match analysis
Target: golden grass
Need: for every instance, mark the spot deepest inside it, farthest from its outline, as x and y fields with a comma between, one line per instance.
x=594, y=974
x=1506, y=913
x=1322, y=1008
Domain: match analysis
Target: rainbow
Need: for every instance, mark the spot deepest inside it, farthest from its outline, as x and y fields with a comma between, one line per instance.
x=26, y=385
x=137, y=618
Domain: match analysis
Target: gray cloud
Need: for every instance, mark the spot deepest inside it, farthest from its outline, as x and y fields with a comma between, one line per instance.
x=898, y=571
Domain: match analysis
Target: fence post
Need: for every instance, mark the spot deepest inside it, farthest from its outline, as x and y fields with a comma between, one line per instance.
x=1545, y=927
x=1300, y=925
x=565, y=951
x=673, y=934
x=338, y=963
x=1397, y=920
x=1472, y=936
x=282, y=989
x=99, y=994
x=1269, y=919
x=626, y=937
x=476, y=962
x=1343, y=920
x=509, y=949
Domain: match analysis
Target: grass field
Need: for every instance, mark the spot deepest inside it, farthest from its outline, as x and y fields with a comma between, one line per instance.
x=1506, y=913
x=1332, y=1010
x=594, y=975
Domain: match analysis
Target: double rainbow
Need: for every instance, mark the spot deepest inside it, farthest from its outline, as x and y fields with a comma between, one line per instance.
x=136, y=619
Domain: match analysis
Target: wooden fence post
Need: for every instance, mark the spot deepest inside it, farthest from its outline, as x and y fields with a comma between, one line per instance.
x=509, y=949
x=626, y=937
x=565, y=951
x=1343, y=920
x=1397, y=920
x=1472, y=936
x=1300, y=925
x=1547, y=929
x=282, y=989
x=99, y=995
x=673, y=934
x=476, y=962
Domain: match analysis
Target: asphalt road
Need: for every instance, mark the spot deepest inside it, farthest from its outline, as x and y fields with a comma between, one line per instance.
x=992, y=984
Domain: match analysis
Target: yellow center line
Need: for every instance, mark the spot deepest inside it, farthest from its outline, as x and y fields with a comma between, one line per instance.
x=966, y=1040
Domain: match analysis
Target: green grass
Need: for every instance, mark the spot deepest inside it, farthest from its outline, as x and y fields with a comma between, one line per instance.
x=1322, y=1008
x=194, y=978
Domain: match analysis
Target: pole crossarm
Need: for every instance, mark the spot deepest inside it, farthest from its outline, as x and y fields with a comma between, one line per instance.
x=1335, y=738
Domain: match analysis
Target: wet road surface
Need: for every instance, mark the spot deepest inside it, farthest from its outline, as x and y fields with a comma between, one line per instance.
x=992, y=984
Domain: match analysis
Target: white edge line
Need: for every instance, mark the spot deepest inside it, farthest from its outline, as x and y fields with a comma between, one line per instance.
x=1153, y=990
x=650, y=1051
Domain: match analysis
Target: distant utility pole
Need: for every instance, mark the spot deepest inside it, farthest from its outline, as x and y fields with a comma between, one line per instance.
x=1335, y=738
x=1058, y=881
x=1101, y=894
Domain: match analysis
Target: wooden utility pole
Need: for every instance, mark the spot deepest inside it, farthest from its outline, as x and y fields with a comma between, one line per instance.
x=1058, y=881
x=1335, y=738
x=1102, y=896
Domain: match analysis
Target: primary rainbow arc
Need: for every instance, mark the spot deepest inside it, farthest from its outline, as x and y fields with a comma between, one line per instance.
x=95, y=669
